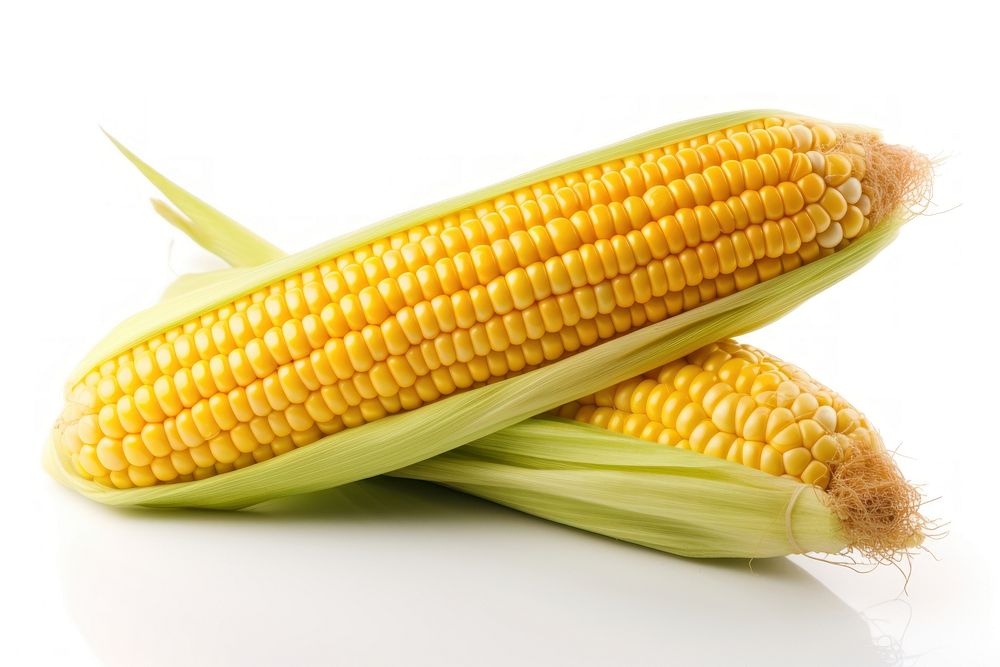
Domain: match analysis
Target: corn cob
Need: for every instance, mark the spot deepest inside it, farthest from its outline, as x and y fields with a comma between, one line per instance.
x=830, y=484
x=735, y=402
x=476, y=294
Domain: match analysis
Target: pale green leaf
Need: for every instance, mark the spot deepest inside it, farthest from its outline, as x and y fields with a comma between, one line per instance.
x=658, y=496
x=210, y=228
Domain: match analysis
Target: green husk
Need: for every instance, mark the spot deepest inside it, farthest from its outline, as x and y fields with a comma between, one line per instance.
x=408, y=438
x=209, y=227
x=661, y=497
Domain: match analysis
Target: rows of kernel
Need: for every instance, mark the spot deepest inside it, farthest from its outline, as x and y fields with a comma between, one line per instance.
x=142, y=459
x=297, y=421
x=358, y=286
x=732, y=401
x=222, y=339
x=300, y=321
x=583, y=185
x=737, y=142
x=640, y=286
x=630, y=182
x=835, y=201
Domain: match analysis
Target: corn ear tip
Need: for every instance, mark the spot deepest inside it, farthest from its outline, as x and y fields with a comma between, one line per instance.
x=879, y=509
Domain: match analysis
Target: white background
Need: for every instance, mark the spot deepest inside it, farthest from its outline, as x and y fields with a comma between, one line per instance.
x=306, y=122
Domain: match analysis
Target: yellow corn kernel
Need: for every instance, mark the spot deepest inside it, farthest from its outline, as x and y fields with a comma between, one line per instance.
x=773, y=417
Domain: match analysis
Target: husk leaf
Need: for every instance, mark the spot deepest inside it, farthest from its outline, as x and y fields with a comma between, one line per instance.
x=661, y=497
x=210, y=228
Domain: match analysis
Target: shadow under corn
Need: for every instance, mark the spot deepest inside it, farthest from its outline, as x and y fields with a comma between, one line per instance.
x=391, y=571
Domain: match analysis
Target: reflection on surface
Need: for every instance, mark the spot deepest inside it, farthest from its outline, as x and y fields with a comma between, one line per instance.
x=396, y=571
